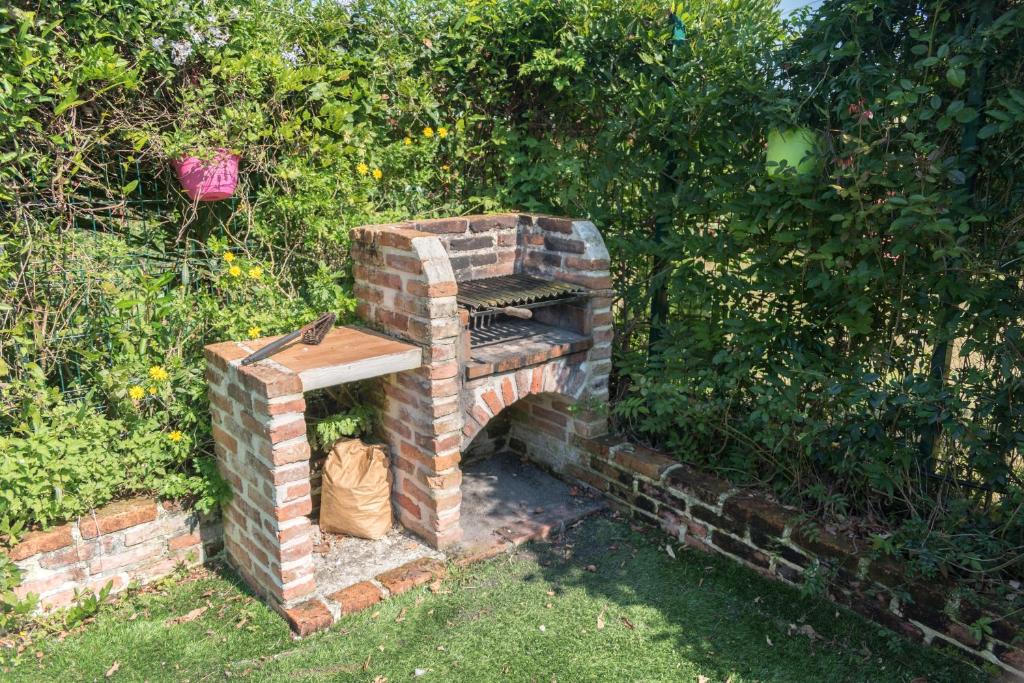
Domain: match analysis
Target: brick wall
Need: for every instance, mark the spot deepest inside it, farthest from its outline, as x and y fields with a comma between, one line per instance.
x=706, y=513
x=138, y=540
x=406, y=288
x=259, y=427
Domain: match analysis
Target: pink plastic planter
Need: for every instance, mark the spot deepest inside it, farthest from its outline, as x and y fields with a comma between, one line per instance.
x=208, y=180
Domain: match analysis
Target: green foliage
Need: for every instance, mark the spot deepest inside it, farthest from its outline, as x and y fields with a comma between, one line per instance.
x=806, y=315
x=810, y=314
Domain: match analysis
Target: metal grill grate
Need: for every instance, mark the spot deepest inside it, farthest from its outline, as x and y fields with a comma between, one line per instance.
x=513, y=290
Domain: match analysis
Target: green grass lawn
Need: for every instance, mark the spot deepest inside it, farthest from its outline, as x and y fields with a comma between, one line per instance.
x=606, y=603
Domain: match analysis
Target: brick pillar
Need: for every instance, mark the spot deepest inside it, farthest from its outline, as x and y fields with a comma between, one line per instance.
x=259, y=432
x=406, y=288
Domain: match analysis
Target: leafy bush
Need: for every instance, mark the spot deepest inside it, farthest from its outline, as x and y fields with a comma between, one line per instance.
x=791, y=331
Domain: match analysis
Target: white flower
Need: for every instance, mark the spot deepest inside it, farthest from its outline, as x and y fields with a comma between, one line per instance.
x=217, y=37
x=181, y=50
x=234, y=13
x=292, y=55
x=157, y=43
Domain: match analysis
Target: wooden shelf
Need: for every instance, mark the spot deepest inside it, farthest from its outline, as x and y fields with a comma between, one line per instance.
x=347, y=354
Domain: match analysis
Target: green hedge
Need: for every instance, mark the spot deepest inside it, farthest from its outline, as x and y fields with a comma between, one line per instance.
x=798, y=321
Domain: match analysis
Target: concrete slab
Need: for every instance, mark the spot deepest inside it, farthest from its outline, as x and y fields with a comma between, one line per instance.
x=341, y=561
x=506, y=500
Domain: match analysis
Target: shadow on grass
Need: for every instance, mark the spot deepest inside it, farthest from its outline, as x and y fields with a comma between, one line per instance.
x=726, y=619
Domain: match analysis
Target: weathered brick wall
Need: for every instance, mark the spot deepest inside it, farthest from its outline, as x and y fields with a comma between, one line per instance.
x=478, y=246
x=259, y=427
x=407, y=288
x=707, y=513
x=138, y=540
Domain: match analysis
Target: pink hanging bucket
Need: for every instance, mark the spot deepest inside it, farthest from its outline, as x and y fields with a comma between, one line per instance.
x=208, y=180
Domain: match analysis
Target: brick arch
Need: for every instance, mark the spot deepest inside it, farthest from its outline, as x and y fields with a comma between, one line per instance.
x=485, y=399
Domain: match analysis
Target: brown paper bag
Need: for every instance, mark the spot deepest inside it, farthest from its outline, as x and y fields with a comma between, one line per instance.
x=356, y=497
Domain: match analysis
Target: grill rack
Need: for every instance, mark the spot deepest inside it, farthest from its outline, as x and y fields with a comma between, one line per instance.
x=485, y=297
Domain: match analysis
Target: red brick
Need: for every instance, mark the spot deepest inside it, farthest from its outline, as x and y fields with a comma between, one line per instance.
x=408, y=504
x=433, y=289
x=293, y=531
x=445, y=481
x=117, y=516
x=270, y=382
x=412, y=574
x=292, y=510
x=383, y=279
x=356, y=598
x=508, y=391
x=221, y=354
x=36, y=542
x=646, y=462
x=297, y=490
x=447, y=226
x=493, y=402
x=490, y=222
x=137, y=554
x=406, y=264
x=184, y=541
x=537, y=385
x=444, y=370
x=554, y=224
x=309, y=617
x=290, y=452
x=295, y=404
x=297, y=551
x=287, y=430
x=224, y=440
x=68, y=556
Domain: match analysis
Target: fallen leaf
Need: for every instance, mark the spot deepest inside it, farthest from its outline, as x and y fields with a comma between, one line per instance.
x=185, y=618
x=627, y=623
x=600, y=620
x=366, y=664
x=241, y=622
x=551, y=593
x=671, y=553
x=769, y=641
x=592, y=568
x=435, y=587
x=380, y=679
x=805, y=630
x=419, y=672
x=401, y=616
x=113, y=669
x=542, y=628
x=703, y=679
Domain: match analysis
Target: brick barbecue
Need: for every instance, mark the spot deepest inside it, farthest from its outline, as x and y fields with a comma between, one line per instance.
x=442, y=284
x=489, y=333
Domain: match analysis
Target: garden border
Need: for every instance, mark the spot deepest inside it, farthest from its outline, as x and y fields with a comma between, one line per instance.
x=138, y=540
x=709, y=514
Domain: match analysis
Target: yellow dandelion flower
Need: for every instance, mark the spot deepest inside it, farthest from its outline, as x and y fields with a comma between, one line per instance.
x=152, y=391
x=377, y=174
x=254, y=332
x=234, y=271
x=228, y=256
x=175, y=436
x=407, y=140
x=255, y=272
x=442, y=132
x=362, y=168
x=428, y=132
x=158, y=373
x=135, y=393
x=445, y=167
